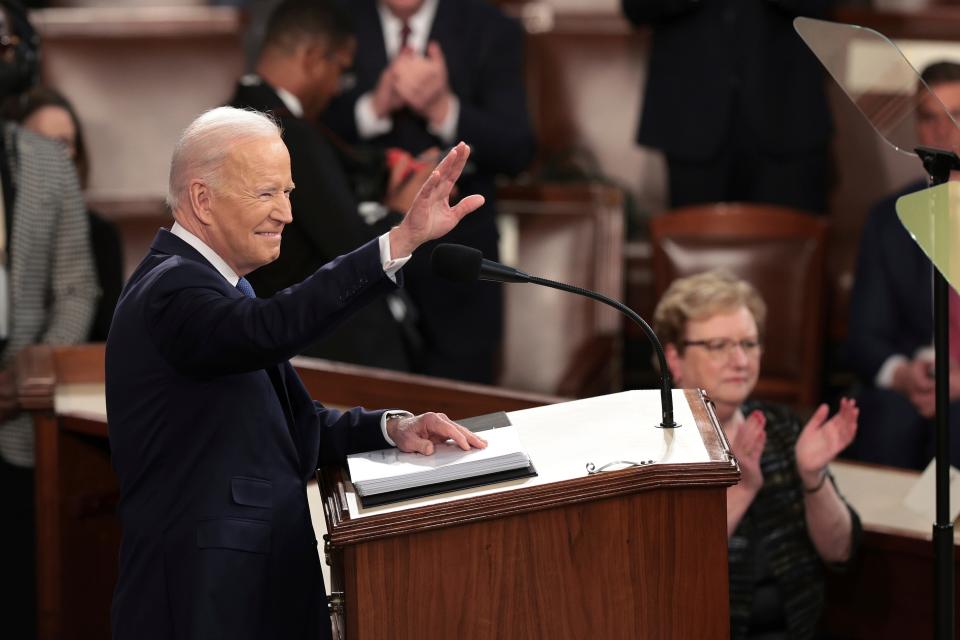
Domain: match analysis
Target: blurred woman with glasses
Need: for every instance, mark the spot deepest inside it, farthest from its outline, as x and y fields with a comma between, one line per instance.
x=786, y=521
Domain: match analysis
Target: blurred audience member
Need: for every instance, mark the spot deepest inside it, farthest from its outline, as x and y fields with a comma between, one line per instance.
x=890, y=330
x=786, y=521
x=735, y=101
x=426, y=73
x=48, y=292
x=46, y=112
x=308, y=44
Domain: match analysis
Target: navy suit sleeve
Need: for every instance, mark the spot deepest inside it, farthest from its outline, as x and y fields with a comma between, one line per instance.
x=200, y=326
x=874, y=325
x=495, y=121
x=346, y=432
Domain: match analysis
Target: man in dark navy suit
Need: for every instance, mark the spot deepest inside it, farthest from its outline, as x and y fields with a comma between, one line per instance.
x=212, y=433
x=890, y=342
x=427, y=73
x=307, y=44
x=735, y=101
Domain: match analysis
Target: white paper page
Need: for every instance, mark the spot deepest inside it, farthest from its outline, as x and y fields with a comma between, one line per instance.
x=922, y=496
x=389, y=463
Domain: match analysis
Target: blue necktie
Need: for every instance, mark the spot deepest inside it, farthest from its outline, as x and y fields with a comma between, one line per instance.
x=246, y=288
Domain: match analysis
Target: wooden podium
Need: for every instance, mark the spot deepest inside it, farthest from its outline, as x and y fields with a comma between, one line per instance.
x=635, y=553
x=627, y=554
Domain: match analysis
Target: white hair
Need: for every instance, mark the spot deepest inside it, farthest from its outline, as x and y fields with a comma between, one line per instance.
x=205, y=143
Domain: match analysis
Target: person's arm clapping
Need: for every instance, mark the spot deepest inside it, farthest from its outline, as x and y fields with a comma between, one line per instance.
x=828, y=518
x=747, y=444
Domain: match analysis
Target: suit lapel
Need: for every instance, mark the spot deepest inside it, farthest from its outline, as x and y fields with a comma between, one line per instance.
x=283, y=396
x=167, y=243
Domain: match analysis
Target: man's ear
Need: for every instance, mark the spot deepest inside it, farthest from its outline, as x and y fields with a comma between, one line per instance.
x=201, y=201
x=312, y=55
x=674, y=362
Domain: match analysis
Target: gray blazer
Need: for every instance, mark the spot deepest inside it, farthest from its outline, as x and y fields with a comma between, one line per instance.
x=53, y=285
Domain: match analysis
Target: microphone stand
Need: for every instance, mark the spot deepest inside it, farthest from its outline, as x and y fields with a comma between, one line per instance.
x=666, y=397
x=938, y=164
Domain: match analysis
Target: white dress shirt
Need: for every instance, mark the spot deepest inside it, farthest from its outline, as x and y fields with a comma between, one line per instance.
x=371, y=126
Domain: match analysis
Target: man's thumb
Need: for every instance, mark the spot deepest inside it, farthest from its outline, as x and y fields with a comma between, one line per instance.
x=425, y=447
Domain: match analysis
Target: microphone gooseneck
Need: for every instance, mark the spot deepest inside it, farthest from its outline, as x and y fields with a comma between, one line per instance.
x=465, y=264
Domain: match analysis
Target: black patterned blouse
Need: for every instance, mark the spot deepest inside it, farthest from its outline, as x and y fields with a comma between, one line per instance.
x=776, y=575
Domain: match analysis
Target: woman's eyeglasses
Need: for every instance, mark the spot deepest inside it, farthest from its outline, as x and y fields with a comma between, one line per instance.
x=722, y=348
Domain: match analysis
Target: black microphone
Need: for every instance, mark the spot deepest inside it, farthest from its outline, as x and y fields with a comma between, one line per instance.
x=465, y=264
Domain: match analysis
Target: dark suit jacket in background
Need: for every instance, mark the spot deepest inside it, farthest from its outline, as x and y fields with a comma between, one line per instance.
x=891, y=313
x=732, y=75
x=483, y=49
x=891, y=306
x=214, y=438
x=325, y=225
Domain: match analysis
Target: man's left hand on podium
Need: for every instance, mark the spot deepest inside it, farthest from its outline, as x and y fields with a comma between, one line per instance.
x=419, y=434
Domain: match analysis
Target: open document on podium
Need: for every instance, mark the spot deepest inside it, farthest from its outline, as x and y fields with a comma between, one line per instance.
x=389, y=475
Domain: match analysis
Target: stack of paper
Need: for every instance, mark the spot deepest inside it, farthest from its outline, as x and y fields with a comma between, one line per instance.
x=390, y=470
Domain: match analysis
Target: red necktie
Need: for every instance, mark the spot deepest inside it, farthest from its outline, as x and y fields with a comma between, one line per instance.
x=404, y=35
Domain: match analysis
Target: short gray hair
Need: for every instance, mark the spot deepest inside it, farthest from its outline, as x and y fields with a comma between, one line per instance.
x=205, y=143
x=701, y=296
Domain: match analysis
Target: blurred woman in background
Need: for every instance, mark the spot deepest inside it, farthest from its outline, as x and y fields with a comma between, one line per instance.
x=46, y=112
x=786, y=521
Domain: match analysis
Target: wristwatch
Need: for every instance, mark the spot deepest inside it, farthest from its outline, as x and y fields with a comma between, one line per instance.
x=387, y=415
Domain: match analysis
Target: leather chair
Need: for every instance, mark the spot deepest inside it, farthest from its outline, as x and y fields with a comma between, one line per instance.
x=556, y=342
x=778, y=250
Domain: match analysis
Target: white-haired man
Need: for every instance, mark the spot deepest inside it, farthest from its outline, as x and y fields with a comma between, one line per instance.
x=213, y=435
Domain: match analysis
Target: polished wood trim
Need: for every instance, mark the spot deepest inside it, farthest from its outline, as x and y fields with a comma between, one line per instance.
x=135, y=23
x=346, y=531
x=48, y=522
x=81, y=364
x=90, y=425
x=40, y=368
x=704, y=413
x=932, y=23
x=35, y=377
x=557, y=198
x=348, y=385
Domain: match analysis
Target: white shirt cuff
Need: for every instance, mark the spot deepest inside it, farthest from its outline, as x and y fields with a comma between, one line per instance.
x=391, y=413
x=368, y=124
x=447, y=130
x=390, y=266
x=884, y=379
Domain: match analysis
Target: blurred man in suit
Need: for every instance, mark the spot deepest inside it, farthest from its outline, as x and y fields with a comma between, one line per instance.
x=307, y=45
x=48, y=292
x=890, y=343
x=213, y=435
x=428, y=72
x=735, y=101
